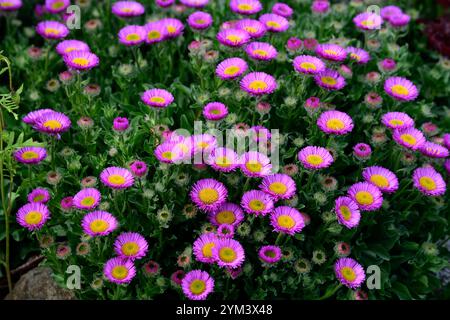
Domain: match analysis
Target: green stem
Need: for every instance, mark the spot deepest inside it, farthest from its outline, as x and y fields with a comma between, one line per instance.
x=330, y=293
x=279, y=238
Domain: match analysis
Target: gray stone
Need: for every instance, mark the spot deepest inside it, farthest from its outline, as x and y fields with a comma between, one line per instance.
x=38, y=284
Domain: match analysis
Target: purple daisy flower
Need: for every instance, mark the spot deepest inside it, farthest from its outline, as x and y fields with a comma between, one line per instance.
x=39, y=195
x=399, y=20
x=246, y=7
x=81, y=60
x=131, y=245
x=227, y=213
x=67, y=46
x=347, y=212
x=132, y=35
x=410, y=138
x=261, y=51
x=330, y=79
x=99, y=223
x=215, y=111
x=366, y=195
x=208, y=194
x=349, y=272
x=52, y=30
x=30, y=155
x=258, y=83
x=269, y=254
x=197, y=285
x=173, y=27
x=155, y=32
x=320, y=6
x=231, y=68
x=32, y=116
x=279, y=186
x=120, y=124
x=257, y=202
x=223, y=159
x=164, y=3
x=233, y=37
x=335, y=122
x=228, y=253
x=315, y=158
x=381, y=177
x=282, y=9
x=33, y=216
x=287, y=220
x=359, y=55
x=200, y=20
x=308, y=64
x=194, y=3
x=362, y=151
x=368, y=21
x=157, y=98
x=56, y=6
x=428, y=181
x=255, y=28
x=10, y=5
x=397, y=120
x=331, y=52
x=204, y=143
x=117, y=178
x=260, y=133
x=203, y=246
x=119, y=270
x=274, y=22
x=225, y=231
x=434, y=150
x=255, y=164
x=127, y=9
x=52, y=123
x=138, y=168
x=87, y=199
x=400, y=89
x=388, y=11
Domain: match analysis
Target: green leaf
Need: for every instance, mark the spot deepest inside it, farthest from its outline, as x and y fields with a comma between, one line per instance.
x=401, y=291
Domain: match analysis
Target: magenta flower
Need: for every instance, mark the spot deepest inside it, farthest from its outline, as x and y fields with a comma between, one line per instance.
x=245, y=7
x=233, y=37
x=200, y=20
x=258, y=83
x=410, y=138
x=33, y=216
x=347, y=212
x=287, y=220
x=330, y=80
x=261, y=51
x=30, y=155
x=315, y=158
x=39, y=195
x=228, y=253
x=67, y=46
x=428, y=181
x=274, y=22
x=56, y=6
x=255, y=164
x=349, y=272
x=397, y=120
x=117, y=178
x=52, y=30
x=120, y=124
x=381, y=177
x=197, y=285
x=257, y=202
x=279, y=186
x=367, y=196
x=215, y=111
x=269, y=254
x=157, y=98
x=231, y=68
x=119, y=270
x=335, y=122
x=308, y=64
x=227, y=213
x=131, y=245
x=87, y=199
x=132, y=35
x=203, y=246
x=208, y=194
x=400, y=89
x=223, y=159
x=127, y=9
x=81, y=60
x=255, y=28
x=99, y=223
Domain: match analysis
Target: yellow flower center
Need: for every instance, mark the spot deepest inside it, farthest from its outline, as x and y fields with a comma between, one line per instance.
x=208, y=195
x=207, y=249
x=335, y=124
x=88, y=201
x=215, y=111
x=81, y=61
x=227, y=254
x=308, y=66
x=51, y=31
x=245, y=7
x=314, y=159
x=258, y=85
x=379, y=180
x=286, y=221
x=345, y=212
x=231, y=70
x=28, y=155
x=408, y=138
x=70, y=49
x=130, y=248
x=329, y=80
x=273, y=24
x=355, y=56
x=260, y=52
x=203, y=144
x=58, y=5
x=116, y=179
x=330, y=51
x=33, y=217
x=6, y=4
x=253, y=166
x=52, y=124
x=256, y=205
x=38, y=198
x=119, y=272
x=427, y=183
x=99, y=225
x=250, y=30
x=400, y=90
x=157, y=99
x=171, y=29
x=133, y=37
x=364, y=197
x=278, y=188
x=197, y=286
x=367, y=23
x=234, y=38
x=200, y=21
x=348, y=274
x=154, y=34
x=167, y=155
x=127, y=10
x=225, y=217
x=223, y=162
x=396, y=122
